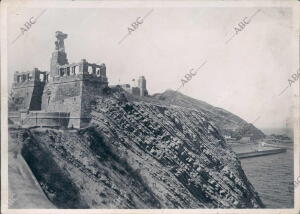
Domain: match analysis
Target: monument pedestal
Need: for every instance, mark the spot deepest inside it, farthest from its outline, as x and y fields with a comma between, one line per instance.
x=58, y=58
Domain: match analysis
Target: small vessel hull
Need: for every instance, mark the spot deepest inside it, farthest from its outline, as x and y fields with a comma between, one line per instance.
x=260, y=153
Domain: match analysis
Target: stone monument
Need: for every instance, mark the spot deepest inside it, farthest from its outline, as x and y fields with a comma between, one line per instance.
x=59, y=56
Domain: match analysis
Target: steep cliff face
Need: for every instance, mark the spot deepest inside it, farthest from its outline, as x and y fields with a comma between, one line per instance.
x=139, y=155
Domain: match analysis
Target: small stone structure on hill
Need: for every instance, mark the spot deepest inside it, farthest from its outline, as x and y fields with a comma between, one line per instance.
x=140, y=90
x=137, y=91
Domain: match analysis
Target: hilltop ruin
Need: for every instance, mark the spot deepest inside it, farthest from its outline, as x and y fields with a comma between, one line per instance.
x=62, y=96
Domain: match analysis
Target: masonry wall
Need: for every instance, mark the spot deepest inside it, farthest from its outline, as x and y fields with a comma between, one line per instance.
x=46, y=119
x=91, y=88
x=36, y=98
x=14, y=117
x=64, y=96
x=74, y=94
x=58, y=58
x=22, y=96
x=28, y=95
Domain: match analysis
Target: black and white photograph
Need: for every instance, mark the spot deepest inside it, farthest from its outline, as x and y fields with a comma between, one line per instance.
x=150, y=106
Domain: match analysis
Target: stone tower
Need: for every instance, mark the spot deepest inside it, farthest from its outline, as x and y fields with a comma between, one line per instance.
x=66, y=97
x=142, y=86
x=28, y=89
x=73, y=88
x=59, y=56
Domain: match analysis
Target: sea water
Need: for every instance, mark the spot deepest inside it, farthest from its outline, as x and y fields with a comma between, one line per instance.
x=271, y=175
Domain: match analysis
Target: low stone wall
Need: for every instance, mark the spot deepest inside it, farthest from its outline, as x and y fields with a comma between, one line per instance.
x=38, y=118
x=14, y=117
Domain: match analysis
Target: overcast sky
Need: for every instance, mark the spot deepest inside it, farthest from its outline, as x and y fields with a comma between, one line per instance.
x=244, y=76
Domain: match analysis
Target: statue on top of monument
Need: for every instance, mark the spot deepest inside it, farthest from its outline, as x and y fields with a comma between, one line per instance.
x=59, y=43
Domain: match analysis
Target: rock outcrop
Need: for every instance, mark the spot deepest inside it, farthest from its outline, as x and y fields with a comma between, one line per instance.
x=139, y=155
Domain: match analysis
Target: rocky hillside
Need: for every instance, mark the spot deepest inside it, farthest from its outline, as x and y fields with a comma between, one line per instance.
x=226, y=122
x=138, y=155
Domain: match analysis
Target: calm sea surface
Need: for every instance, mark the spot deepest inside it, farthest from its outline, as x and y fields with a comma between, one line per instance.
x=272, y=176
